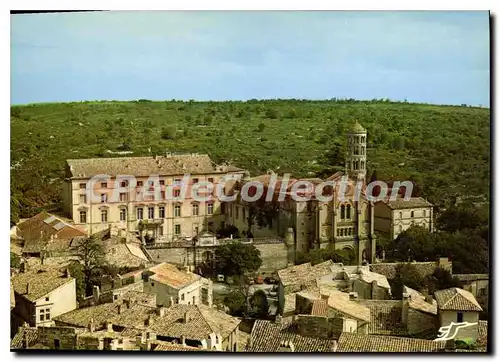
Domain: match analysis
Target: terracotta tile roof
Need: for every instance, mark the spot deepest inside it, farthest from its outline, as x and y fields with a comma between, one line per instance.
x=353, y=342
x=202, y=321
x=412, y=202
x=385, y=317
x=43, y=226
x=369, y=277
x=165, y=346
x=320, y=308
x=41, y=282
x=27, y=333
x=146, y=166
x=300, y=274
x=422, y=305
x=471, y=277
x=117, y=313
x=267, y=336
x=119, y=254
x=349, y=308
x=168, y=274
x=456, y=299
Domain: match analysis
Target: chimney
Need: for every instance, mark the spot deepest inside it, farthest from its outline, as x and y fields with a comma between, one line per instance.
x=404, y=309
x=109, y=327
x=149, y=321
x=23, y=268
x=120, y=308
x=374, y=289
x=278, y=319
x=353, y=296
x=25, y=340
x=183, y=340
x=91, y=325
x=161, y=311
x=325, y=297
x=67, y=274
x=96, y=293
x=127, y=303
x=335, y=346
x=186, y=317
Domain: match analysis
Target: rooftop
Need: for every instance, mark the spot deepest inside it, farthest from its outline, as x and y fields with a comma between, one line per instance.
x=166, y=346
x=348, y=308
x=146, y=166
x=456, y=299
x=29, y=334
x=412, y=202
x=353, y=342
x=385, y=317
x=357, y=128
x=202, y=321
x=424, y=269
x=267, y=336
x=41, y=282
x=369, y=277
x=303, y=273
x=168, y=274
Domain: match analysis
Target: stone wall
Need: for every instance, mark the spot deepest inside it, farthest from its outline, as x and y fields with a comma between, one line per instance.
x=320, y=327
x=57, y=337
x=420, y=322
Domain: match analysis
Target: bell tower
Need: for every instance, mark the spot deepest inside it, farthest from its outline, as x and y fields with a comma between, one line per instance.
x=355, y=161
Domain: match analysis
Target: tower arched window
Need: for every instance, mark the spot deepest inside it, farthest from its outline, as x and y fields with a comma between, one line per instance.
x=362, y=165
x=342, y=212
x=362, y=150
x=356, y=166
x=413, y=214
x=348, y=216
x=425, y=213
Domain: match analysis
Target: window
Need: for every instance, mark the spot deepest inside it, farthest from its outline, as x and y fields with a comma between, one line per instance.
x=57, y=343
x=362, y=165
x=104, y=215
x=177, y=181
x=83, y=217
x=123, y=214
x=182, y=296
x=194, y=299
x=161, y=230
x=425, y=213
x=177, y=229
x=44, y=314
x=139, y=213
x=83, y=199
x=177, y=211
x=195, y=181
x=211, y=180
x=177, y=193
x=210, y=209
x=151, y=213
x=139, y=183
x=46, y=299
x=482, y=292
x=400, y=228
x=123, y=197
x=83, y=186
x=124, y=183
x=103, y=197
x=460, y=317
x=162, y=182
x=342, y=212
x=162, y=195
x=152, y=284
x=104, y=185
x=237, y=212
x=161, y=211
x=412, y=213
x=348, y=213
x=195, y=210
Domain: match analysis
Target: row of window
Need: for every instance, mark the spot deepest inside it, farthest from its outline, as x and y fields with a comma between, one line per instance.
x=356, y=165
x=413, y=214
x=177, y=182
x=151, y=213
x=345, y=212
x=345, y=232
x=123, y=196
x=359, y=150
x=237, y=212
x=358, y=139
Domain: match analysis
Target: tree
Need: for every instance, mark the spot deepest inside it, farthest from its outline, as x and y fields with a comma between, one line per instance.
x=459, y=218
x=76, y=271
x=406, y=275
x=236, y=259
x=442, y=279
x=261, y=126
x=91, y=255
x=168, y=133
x=15, y=260
x=259, y=306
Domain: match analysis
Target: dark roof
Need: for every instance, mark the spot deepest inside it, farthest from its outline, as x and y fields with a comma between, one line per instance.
x=471, y=277
x=353, y=342
x=456, y=299
x=146, y=166
x=268, y=337
x=412, y=202
x=43, y=226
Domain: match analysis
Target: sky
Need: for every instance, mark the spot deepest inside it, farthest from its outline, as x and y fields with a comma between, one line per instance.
x=421, y=56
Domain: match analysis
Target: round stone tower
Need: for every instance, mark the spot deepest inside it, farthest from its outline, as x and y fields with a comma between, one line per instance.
x=355, y=161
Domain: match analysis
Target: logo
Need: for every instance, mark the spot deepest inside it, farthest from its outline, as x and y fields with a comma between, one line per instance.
x=448, y=332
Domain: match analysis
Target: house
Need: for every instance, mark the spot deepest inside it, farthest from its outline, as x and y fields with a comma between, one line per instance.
x=353, y=342
x=370, y=285
x=173, y=286
x=392, y=217
x=268, y=336
x=45, y=233
x=198, y=326
x=476, y=284
x=143, y=202
x=42, y=294
x=456, y=305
